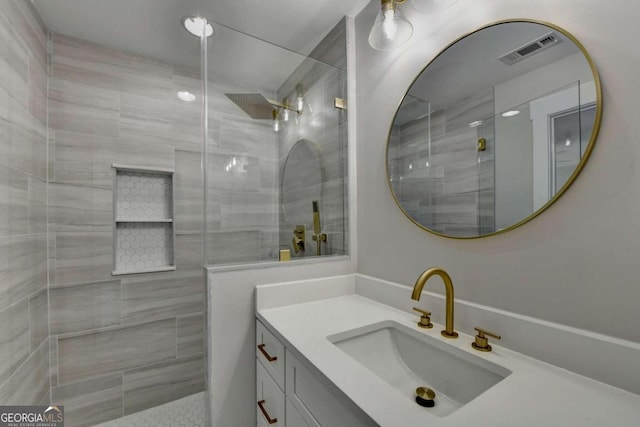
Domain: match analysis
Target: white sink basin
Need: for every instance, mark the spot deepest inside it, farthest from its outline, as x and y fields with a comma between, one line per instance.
x=407, y=359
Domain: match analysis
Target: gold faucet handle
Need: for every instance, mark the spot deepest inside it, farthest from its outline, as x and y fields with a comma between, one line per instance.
x=482, y=342
x=425, y=318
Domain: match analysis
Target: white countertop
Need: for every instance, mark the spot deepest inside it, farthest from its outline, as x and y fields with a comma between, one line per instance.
x=535, y=394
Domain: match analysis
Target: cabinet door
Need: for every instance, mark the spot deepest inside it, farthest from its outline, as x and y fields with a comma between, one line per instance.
x=270, y=352
x=270, y=404
x=262, y=423
x=317, y=400
x=294, y=419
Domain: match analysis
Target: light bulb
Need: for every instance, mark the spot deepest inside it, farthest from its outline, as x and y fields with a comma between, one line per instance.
x=197, y=25
x=285, y=116
x=300, y=103
x=276, y=121
x=186, y=96
x=389, y=27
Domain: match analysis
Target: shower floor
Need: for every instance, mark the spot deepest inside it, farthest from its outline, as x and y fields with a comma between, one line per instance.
x=185, y=412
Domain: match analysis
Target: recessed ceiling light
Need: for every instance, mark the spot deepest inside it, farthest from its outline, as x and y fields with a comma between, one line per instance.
x=510, y=113
x=195, y=25
x=186, y=96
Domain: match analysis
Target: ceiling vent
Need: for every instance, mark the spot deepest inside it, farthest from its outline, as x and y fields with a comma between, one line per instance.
x=531, y=48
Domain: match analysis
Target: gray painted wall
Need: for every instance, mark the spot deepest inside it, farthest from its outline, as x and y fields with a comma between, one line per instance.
x=576, y=259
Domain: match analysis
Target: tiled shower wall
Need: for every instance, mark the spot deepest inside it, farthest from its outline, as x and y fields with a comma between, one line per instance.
x=459, y=198
x=323, y=78
x=120, y=344
x=242, y=199
x=24, y=346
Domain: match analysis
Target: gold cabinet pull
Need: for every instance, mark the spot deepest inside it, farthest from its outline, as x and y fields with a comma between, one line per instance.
x=265, y=414
x=267, y=355
x=482, y=342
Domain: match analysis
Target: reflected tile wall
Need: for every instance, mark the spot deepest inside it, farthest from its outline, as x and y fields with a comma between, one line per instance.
x=459, y=199
x=326, y=127
x=24, y=344
x=111, y=107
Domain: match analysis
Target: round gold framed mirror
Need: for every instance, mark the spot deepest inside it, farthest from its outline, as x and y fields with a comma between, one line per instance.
x=494, y=129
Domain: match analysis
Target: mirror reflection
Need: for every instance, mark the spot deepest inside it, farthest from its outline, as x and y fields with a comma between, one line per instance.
x=301, y=181
x=494, y=129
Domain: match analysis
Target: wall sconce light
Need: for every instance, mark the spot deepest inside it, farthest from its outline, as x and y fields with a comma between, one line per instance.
x=390, y=29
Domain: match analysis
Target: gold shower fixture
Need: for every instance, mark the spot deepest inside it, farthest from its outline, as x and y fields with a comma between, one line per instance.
x=258, y=107
x=261, y=108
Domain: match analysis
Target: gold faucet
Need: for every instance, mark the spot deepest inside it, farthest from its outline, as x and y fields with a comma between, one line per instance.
x=448, y=285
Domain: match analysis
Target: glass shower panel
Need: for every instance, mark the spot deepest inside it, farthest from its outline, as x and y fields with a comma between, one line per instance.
x=571, y=131
x=262, y=99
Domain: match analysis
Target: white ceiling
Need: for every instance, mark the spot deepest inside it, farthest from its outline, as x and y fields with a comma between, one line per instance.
x=152, y=28
x=472, y=64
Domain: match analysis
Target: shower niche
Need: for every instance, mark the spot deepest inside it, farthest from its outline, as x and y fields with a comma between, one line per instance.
x=143, y=220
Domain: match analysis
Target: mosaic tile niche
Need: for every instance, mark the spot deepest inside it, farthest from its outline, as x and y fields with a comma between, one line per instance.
x=144, y=232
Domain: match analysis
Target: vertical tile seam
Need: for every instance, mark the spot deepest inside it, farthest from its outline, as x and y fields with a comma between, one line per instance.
x=176, y=323
x=47, y=180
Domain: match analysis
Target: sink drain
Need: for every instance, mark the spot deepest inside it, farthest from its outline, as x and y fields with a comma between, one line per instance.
x=425, y=396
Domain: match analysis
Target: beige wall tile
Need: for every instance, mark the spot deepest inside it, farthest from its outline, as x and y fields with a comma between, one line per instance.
x=39, y=318
x=30, y=382
x=190, y=335
x=79, y=208
x=14, y=201
x=90, y=402
x=83, y=257
x=14, y=338
x=163, y=382
x=146, y=298
x=74, y=107
x=93, y=354
x=23, y=267
x=85, y=306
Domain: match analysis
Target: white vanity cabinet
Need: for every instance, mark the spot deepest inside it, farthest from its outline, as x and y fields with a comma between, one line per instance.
x=270, y=408
x=293, y=394
x=294, y=419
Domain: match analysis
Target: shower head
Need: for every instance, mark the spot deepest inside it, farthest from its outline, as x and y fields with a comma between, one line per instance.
x=254, y=104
